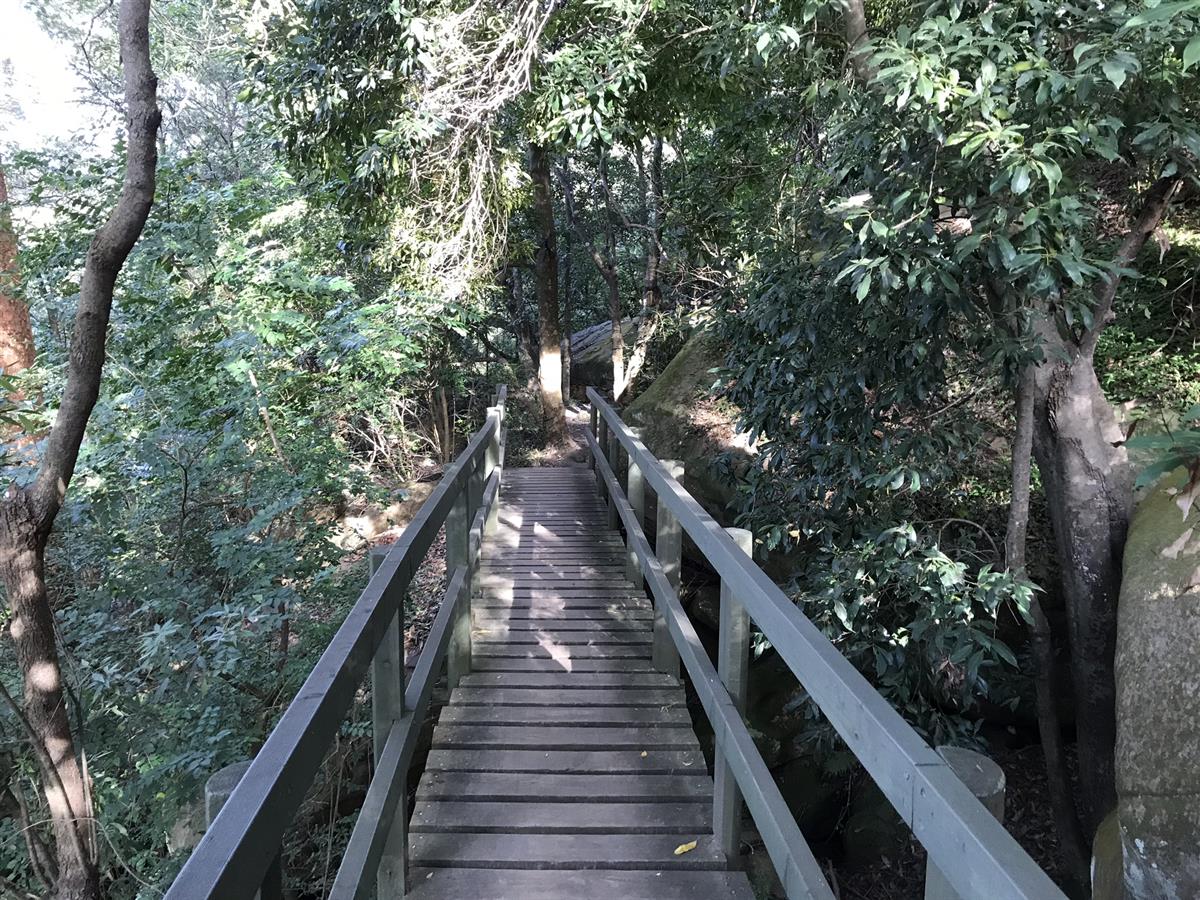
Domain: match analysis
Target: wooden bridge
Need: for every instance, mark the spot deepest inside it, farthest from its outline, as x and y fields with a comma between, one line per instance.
x=565, y=764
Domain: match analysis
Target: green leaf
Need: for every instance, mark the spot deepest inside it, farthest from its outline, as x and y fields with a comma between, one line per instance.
x=1020, y=180
x=1191, y=53
x=1115, y=72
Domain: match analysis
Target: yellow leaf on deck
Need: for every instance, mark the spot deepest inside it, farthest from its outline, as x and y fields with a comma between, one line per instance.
x=684, y=848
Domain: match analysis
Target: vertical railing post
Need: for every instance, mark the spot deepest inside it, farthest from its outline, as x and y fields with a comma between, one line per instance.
x=217, y=790
x=668, y=547
x=602, y=443
x=387, y=708
x=491, y=459
x=596, y=434
x=635, y=491
x=458, y=544
x=614, y=461
x=733, y=665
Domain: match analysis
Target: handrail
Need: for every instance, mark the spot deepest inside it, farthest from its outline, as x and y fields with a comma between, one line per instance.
x=241, y=845
x=978, y=857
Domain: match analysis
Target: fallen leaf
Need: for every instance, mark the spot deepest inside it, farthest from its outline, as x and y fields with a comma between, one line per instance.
x=644, y=754
x=685, y=848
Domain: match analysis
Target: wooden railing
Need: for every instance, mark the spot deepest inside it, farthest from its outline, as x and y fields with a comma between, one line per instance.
x=977, y=857
x=239, y=854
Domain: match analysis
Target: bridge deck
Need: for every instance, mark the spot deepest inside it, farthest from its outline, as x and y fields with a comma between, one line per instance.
x=564, y=764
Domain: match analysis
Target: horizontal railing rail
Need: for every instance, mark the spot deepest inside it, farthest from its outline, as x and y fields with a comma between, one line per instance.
x=239, y=852
x=977, y=856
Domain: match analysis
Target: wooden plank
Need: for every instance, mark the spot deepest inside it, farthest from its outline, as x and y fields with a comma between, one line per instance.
x=541, y=819
x=503, y=664
x=653, y=697
x=555, y=788
x=565, y=851
x=572, y=681
x=555, y=737
x=519, y=884
x=648, y=761
x=494, y=625
x=564, y=651
x=539, y=637
x=607, y=716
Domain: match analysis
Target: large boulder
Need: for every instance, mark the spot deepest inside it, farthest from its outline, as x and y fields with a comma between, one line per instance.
x=684, y=420
x=1158, y=698
x=591, y=354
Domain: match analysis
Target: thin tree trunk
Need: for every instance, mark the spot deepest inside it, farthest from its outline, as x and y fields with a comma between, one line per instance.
x=611, y=280
x=1080, y=451
x=855, y=24
x=1075, y=851
x=567, y=302
x=651, y=292
x=16, y=333
x=546, y=273
x=27, y=514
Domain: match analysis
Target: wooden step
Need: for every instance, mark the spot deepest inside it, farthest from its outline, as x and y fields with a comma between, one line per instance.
x=555, y=788
x=536, y=818
x=565, y=851
x=576, y=884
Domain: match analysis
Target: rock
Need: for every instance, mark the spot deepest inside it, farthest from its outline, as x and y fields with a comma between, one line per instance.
x=761, y=870
x=591, y=354
x=683, y=420
x=1158, y=698
x=187, y=829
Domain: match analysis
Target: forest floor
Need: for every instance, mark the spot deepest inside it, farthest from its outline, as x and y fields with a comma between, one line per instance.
x=573, y=451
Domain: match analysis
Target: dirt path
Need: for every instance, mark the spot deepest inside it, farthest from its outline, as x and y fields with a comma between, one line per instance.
x=573, y=452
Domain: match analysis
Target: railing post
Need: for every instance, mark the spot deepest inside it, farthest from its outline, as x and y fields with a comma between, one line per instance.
x=491, y=460
x=733, y=665
x=614, y=461
x=635, y=491
x=458, y=553
x=985, y=780
x=387, y=707
x=602, y=443
x=596, y=434
x=668, y=547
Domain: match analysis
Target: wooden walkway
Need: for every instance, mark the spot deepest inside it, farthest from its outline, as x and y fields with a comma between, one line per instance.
x=564, y=765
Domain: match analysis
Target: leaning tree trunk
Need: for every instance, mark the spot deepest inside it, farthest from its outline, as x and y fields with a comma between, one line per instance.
x=546, y=275
x=27, y=513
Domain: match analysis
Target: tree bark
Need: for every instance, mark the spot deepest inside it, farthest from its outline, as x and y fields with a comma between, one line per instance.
x=651, y=292
x=27, y=514
x=16, y=333
x=1080, y=451
x=855, y=24
x=1075, y=850
x=608, y=270
x=546, y=274
x=564, y=342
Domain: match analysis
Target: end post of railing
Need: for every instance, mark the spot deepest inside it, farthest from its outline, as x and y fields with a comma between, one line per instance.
x=733, y=665
x=668, y=547
x=387, y=708
x=491, y=461
x=635, y=492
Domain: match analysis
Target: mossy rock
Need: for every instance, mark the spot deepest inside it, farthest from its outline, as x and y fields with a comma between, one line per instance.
x=1158, y=697
x=683, y=419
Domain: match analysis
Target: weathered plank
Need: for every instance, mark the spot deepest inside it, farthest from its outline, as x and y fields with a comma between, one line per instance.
x=612, y=716
x=523, y=884
x=647, y=761
x=578, y=666
x=566, y=851
x=656, y=697
x=554, y=737
x=557, y=788
x=588, y=817
x=520, y=637
x=571, y=681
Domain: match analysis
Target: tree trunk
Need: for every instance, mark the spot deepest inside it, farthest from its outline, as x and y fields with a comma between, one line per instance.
x=546, y=274
x=1075, y=850
x=27, y=513
x=651, y=292
x=612, y=282
x=565, y=340
x=16, y=334
x=1080, y=450
x=521, y=330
